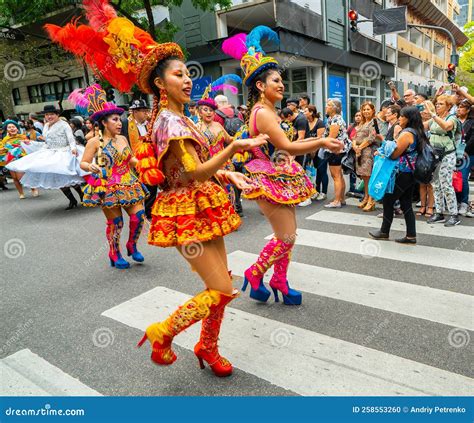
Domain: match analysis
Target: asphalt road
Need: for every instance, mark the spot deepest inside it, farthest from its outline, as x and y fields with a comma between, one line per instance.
x=56, y=285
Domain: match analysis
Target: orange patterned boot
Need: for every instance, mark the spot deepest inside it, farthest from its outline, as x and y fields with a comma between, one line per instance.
x=161, y=334
x=206, y=349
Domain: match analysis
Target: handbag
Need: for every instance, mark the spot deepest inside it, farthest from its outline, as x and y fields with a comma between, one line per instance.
x=381, y=176
x=311, y=172
x=457, y=181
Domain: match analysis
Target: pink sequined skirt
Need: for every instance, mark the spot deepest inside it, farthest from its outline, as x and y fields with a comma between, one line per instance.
x=281, y=181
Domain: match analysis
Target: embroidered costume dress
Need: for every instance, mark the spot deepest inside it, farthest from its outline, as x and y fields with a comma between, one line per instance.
x=186, y=211
x=11, y=148
x=53, y=165
x=122, y=186
x=278, y=178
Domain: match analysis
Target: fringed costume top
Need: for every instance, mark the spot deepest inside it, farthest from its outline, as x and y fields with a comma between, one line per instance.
x=186, y=211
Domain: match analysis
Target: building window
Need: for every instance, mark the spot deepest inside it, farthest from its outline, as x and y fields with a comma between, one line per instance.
x=427, y=42
x=51, y=91
x=414, y=65
x=416, y=37
x=298, y=81
x=295, y=82
x=438, y=49
x=361, y=90
x=437, y=73
x=426, y=70
x=16, y=96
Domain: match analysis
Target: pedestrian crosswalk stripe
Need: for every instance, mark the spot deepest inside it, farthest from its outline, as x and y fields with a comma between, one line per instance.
x=446, y=307
x=369, y=221
x=24, y=373
x=369, y=248
x=297, y=359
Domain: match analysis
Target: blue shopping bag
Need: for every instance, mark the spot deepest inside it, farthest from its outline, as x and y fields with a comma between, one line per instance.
x=380, y=180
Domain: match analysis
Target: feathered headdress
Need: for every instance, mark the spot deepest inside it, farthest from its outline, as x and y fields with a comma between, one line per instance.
x=92, y=101
x=112, y=46
x=220, y=84
x=248, y=49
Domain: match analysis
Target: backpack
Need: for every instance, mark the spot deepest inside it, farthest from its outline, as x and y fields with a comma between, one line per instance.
x=231, y=124
x=426, y=162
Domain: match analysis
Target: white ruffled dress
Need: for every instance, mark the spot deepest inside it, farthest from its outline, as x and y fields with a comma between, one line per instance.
x=51, y=165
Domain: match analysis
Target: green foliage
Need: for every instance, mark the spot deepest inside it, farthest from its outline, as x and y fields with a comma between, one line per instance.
x=28, y=11
x=465, y=71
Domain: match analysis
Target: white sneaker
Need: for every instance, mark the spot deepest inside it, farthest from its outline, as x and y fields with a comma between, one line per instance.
x=463, y=209
x=305, y=203
x=321, y=196
x=418, y=204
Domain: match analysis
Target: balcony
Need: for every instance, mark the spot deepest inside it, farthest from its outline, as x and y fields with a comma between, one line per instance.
x=245, y=15
x=300, y=16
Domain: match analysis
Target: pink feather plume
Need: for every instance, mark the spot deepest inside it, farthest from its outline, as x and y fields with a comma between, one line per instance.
x=99, y=12
x=222, y=87
x=235, y=46
x=78, y=98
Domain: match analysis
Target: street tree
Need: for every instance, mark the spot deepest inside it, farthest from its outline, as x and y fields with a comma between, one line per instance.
x=465, y=74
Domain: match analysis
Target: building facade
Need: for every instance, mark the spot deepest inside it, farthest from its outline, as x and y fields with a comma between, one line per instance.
x=319, y=55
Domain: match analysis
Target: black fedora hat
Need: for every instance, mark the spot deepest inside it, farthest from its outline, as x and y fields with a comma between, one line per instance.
x=138, y=104
x=50, y=108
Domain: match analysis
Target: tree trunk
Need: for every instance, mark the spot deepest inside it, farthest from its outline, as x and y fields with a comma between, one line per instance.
x=151, y=20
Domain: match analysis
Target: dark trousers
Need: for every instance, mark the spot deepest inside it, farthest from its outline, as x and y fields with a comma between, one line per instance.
x=403, y=191
x=150, y=200
x=322, y=179
x=301, y=160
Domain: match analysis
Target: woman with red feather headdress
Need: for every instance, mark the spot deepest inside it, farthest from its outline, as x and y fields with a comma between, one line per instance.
x=192, y=212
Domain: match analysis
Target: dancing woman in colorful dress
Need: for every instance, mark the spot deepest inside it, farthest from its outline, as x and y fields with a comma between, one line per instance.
x=113, y=184
x=192, y=209
x=55, y=163
x=215, y=133
x=279, y=182
x=11, y=150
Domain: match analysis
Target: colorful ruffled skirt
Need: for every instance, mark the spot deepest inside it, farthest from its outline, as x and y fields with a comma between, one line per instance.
x=282, y=181
x=196, y=213
x=116, y=195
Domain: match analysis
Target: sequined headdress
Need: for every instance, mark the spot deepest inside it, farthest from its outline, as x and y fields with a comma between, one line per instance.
x=220, y=84
x=113, y=46
x=92, y=101
x=248, y=49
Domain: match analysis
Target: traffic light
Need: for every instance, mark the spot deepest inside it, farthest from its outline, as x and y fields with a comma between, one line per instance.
x=353, y=20
x=451, y=70
x=110, y=94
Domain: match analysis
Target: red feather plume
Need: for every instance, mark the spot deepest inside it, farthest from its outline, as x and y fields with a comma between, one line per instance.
x=85, y=42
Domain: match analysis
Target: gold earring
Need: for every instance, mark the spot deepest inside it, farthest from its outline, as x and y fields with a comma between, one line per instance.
x=163, y=98
x=262, y=97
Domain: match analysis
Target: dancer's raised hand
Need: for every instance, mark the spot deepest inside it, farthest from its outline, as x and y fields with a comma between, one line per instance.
x=239, y=180
x=332, y=144
x=249, y=143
